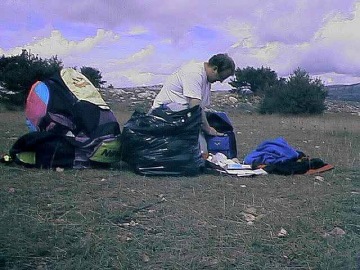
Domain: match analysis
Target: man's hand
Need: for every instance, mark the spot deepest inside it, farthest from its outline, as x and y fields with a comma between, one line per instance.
x=205, y=124
x=212, y=131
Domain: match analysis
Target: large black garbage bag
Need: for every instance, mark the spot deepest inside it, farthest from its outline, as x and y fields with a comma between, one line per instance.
x=163, y=142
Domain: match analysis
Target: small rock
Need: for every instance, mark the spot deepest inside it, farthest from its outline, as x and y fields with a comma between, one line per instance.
x=337, y=231
x=144, y=95
x=145, y=258
x=233, y=100
x=251, y=210
x=282, y=233
x=249, y=218
x=209, y=262
x=133, y=223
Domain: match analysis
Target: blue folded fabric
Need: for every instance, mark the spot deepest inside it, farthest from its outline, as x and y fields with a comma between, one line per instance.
x=272, y=152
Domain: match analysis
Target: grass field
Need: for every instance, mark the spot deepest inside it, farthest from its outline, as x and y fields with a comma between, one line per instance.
x=115, y=219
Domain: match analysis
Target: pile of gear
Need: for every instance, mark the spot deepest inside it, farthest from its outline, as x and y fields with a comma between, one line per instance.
x=71, y=126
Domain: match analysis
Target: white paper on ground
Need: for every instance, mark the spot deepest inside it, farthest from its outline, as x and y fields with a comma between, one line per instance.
x=237, y=166
x=244, y=172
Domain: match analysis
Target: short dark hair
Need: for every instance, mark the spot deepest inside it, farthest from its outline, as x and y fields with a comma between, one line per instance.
x=223, y=62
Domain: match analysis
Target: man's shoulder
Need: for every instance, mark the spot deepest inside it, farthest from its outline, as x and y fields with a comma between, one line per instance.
x=193, y=68
x=193, y=64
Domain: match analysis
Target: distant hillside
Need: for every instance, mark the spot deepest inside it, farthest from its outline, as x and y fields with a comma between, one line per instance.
x=344, y=92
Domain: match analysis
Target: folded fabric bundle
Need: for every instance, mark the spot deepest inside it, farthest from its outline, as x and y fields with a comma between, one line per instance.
x=271, y=152
x=278, y=157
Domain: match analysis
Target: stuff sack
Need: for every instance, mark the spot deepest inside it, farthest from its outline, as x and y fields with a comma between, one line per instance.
x=43, y=150
x=221, y=144
x=163, y=142
x=68, y=104
x=272, y=151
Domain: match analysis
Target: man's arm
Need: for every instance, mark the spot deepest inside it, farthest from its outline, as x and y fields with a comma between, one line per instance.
x=205, y=124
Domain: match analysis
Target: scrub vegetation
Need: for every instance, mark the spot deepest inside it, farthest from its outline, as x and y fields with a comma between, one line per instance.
x=298, y=94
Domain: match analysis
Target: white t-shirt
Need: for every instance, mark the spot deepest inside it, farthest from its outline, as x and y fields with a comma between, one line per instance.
x=190, y=81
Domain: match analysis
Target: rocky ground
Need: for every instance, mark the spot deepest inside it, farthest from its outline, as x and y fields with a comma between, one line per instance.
x=142, y=97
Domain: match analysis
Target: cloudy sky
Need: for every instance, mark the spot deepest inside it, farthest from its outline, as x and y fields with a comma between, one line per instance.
x=140, y=42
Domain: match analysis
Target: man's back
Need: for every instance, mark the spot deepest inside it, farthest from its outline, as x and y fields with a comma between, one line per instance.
x=189, y=81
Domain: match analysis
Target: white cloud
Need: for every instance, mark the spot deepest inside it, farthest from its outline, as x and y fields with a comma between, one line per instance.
x=138, y=56
x=132, y=77
x=166, y=41
x=242, y=32
x=320, y=36
x=334, y=47
x=335, y=78
x=268, y=53
x=138, y=78
x=138, y=30
x=344, y=34
x=56, y=44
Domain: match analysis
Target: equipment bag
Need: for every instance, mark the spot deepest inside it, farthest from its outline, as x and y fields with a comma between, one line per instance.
x=221, y=144
x=68, y=105
x=43, y=149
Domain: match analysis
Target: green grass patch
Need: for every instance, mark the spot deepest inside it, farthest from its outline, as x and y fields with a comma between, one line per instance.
x=115, y=219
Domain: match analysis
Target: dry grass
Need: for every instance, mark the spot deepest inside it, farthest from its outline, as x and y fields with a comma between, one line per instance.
x=115, y=219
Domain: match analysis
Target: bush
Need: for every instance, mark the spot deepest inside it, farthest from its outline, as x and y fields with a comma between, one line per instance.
x=18, y=73
x=258, y=79
x=93, y=75
x=299, y=94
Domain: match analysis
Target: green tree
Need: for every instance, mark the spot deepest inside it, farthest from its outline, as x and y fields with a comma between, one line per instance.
x=259, y=79
x=94, y=76
x=299, y=94
x=18, y=73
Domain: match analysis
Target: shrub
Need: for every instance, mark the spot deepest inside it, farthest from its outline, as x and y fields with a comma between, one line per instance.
x=94, y=76
x=18, y=73
x=299, y=94
x=258, y=79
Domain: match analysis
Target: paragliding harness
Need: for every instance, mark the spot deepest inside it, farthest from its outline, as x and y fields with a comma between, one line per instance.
x=70, y=125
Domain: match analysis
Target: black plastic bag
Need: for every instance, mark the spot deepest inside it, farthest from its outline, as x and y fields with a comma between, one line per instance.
x=163, y=142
